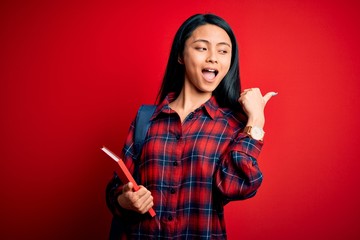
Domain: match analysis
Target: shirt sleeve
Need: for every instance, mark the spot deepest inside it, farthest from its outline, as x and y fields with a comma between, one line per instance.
x=238, y=176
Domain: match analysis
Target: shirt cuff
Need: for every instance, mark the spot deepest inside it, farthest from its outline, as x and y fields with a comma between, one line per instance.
x=244, y=143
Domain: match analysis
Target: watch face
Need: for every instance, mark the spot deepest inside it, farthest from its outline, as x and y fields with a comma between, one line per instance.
x=257, y=133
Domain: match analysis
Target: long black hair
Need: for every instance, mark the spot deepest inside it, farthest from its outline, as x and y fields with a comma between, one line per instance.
x=228, y=91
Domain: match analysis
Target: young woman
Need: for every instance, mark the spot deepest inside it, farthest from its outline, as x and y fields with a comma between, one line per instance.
x=201, y=148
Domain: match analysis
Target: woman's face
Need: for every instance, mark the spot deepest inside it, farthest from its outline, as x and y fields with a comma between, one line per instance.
x=207, y=58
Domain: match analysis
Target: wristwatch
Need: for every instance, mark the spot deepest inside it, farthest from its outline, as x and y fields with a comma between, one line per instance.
x=254, y=132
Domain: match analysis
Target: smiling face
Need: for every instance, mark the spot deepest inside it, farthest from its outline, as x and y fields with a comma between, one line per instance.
x=207, y=58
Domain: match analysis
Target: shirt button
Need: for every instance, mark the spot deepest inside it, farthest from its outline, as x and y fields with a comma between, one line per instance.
x=178, y=136
x=175, y=163
x=172, y=191
x=170, y=218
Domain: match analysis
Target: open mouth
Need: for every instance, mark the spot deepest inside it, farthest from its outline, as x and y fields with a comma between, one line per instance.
x=209, y=74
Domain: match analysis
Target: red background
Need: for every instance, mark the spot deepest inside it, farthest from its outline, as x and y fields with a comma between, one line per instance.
x=73, y=74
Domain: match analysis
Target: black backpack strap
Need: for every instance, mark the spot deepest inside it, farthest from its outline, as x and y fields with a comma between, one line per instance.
x=142, y=124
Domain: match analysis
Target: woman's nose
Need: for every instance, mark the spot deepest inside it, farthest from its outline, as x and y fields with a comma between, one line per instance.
x=211, y=57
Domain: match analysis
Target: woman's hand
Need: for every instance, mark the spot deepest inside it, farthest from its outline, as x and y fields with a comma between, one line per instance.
x=253, y=103
x=140, y=201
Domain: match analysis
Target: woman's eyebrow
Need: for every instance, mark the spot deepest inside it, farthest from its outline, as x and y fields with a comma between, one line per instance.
x=206, y=41
x=224, y=43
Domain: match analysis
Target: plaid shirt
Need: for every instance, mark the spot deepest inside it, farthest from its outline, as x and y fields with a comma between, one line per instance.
x=192, y=170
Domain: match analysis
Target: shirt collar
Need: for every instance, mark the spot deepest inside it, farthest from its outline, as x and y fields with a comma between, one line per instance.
x=210, y=107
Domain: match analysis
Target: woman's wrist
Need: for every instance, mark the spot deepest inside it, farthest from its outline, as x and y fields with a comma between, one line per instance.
x=256, y=121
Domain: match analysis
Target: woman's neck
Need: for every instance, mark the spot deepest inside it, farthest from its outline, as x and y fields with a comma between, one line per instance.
x=187, y=101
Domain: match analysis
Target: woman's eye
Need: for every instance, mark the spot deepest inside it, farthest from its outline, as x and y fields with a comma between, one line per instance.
x=223, y=51
x=201, y=48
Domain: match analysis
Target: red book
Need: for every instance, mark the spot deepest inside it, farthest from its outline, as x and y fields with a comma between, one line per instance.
x=124, y=174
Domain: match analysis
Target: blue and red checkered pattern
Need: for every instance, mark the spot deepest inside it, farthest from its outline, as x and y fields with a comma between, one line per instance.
x=192, y=168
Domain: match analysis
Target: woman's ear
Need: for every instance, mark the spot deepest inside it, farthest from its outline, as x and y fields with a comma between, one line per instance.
x=180, y=60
